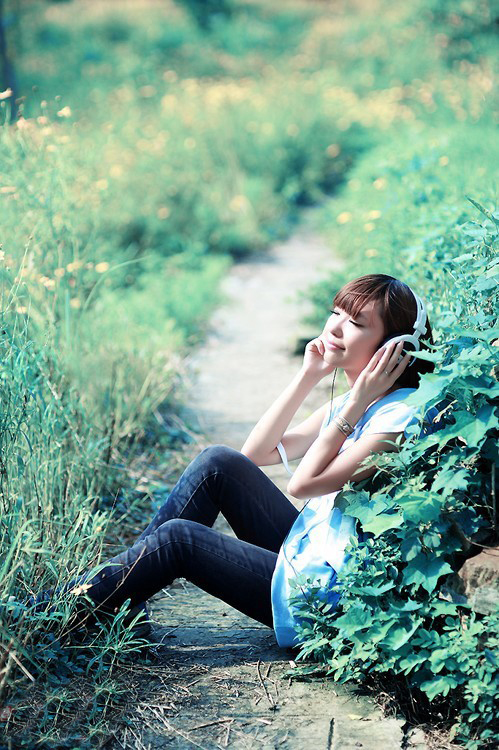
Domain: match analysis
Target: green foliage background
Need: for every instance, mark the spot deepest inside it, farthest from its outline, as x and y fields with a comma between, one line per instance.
x=155, y=145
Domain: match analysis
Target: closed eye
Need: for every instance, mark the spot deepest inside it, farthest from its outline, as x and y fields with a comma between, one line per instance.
x=335, y=312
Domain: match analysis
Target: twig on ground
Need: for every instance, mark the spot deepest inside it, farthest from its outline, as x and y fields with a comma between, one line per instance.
x=269, y=697
x=182, y=734
x=209, y=724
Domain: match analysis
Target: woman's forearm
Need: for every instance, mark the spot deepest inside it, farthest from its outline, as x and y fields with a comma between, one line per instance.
x=325, y=448
x=268, y=431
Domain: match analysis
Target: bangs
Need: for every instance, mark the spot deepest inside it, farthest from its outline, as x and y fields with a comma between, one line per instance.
x=354, y=300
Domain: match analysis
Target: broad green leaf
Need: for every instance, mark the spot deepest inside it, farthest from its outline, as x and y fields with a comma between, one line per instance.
x=471, y=428
x=401, y=633
x=451, y=480
x=374, y=590
x=439, y=686
x=410, y=547
x=383, y=522
x=425, y=571
x=414, y=659
x=421, y=507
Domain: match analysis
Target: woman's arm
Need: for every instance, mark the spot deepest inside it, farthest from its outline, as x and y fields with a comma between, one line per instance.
x=260, y=445
x=308, y=478
x=322, y=470
x=346, y=467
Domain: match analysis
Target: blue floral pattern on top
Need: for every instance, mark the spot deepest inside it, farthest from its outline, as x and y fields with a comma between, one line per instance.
x=315, y=545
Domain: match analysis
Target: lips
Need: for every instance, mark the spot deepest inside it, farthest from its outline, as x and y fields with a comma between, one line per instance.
x=332, y=346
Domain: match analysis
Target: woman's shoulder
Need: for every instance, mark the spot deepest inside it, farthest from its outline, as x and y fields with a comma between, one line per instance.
x=394, y=397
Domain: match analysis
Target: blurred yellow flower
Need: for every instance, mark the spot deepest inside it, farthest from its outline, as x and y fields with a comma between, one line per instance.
x=25, y=272
x=371, y=252
x=58, y=221
x=42, y=120
x=116, y=170
x=369, y=226
x=101, y=267
x=49, y=284
x=168, y=101
x=239, y=203
x=23, y=124
x=443, y=161
x=8, y=189
x=81, y=588
x=2, y=254
x=64, y=112
x=374, y=214
x=101, y=184
x=170, y=76
x=163, y=212
x=51, y=147
x=190, y=143
x=21, y=309
x=74, y=266
x=333, y=150
x=344, y=217
x=75, y=302
x=380, y=183
x=59, y=272
x=89, y=265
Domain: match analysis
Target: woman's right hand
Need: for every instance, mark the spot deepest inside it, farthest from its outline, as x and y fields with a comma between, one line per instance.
x=313, y=359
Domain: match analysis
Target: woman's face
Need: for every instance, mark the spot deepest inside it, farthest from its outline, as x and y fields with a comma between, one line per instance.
x=357, y=339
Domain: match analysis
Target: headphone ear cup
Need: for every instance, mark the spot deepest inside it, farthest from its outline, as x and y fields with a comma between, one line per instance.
x=408, y=345
x=387, y=340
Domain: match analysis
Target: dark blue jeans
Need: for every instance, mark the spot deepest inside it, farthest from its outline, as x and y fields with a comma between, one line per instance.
x=179, y=541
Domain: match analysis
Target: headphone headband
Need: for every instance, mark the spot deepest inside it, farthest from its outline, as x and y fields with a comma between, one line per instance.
x=419, y=328
x=420, y=322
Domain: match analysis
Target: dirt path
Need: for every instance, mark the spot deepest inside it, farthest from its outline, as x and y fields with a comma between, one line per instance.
x=220, y=674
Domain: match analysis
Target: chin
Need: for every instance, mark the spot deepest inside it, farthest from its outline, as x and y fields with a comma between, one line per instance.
x=331, y=358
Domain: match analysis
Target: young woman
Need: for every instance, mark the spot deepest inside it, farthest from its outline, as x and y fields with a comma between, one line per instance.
x=332, y=443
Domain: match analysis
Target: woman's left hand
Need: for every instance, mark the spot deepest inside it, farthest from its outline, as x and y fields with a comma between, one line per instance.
x=380, y=374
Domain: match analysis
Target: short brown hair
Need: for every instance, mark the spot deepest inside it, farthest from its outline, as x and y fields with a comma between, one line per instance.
x=398, y=311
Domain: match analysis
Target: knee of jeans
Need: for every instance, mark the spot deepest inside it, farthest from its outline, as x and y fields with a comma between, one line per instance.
x=222, y=456
x=176, y=530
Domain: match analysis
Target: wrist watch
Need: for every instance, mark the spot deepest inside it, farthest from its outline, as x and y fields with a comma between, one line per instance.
x=342, y=424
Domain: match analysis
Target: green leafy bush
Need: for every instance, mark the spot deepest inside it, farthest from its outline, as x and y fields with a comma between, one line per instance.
x=427, y=508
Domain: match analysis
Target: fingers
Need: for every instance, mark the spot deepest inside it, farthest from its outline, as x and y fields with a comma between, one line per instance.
x=317, y=344
x=390, y=355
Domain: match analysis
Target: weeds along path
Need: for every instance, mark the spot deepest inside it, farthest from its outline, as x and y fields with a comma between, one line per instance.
x=217, y=675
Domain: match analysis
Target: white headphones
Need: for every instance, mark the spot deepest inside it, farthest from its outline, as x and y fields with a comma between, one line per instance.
x=419, y=329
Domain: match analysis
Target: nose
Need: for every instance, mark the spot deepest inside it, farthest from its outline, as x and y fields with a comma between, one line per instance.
x=334, y=326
